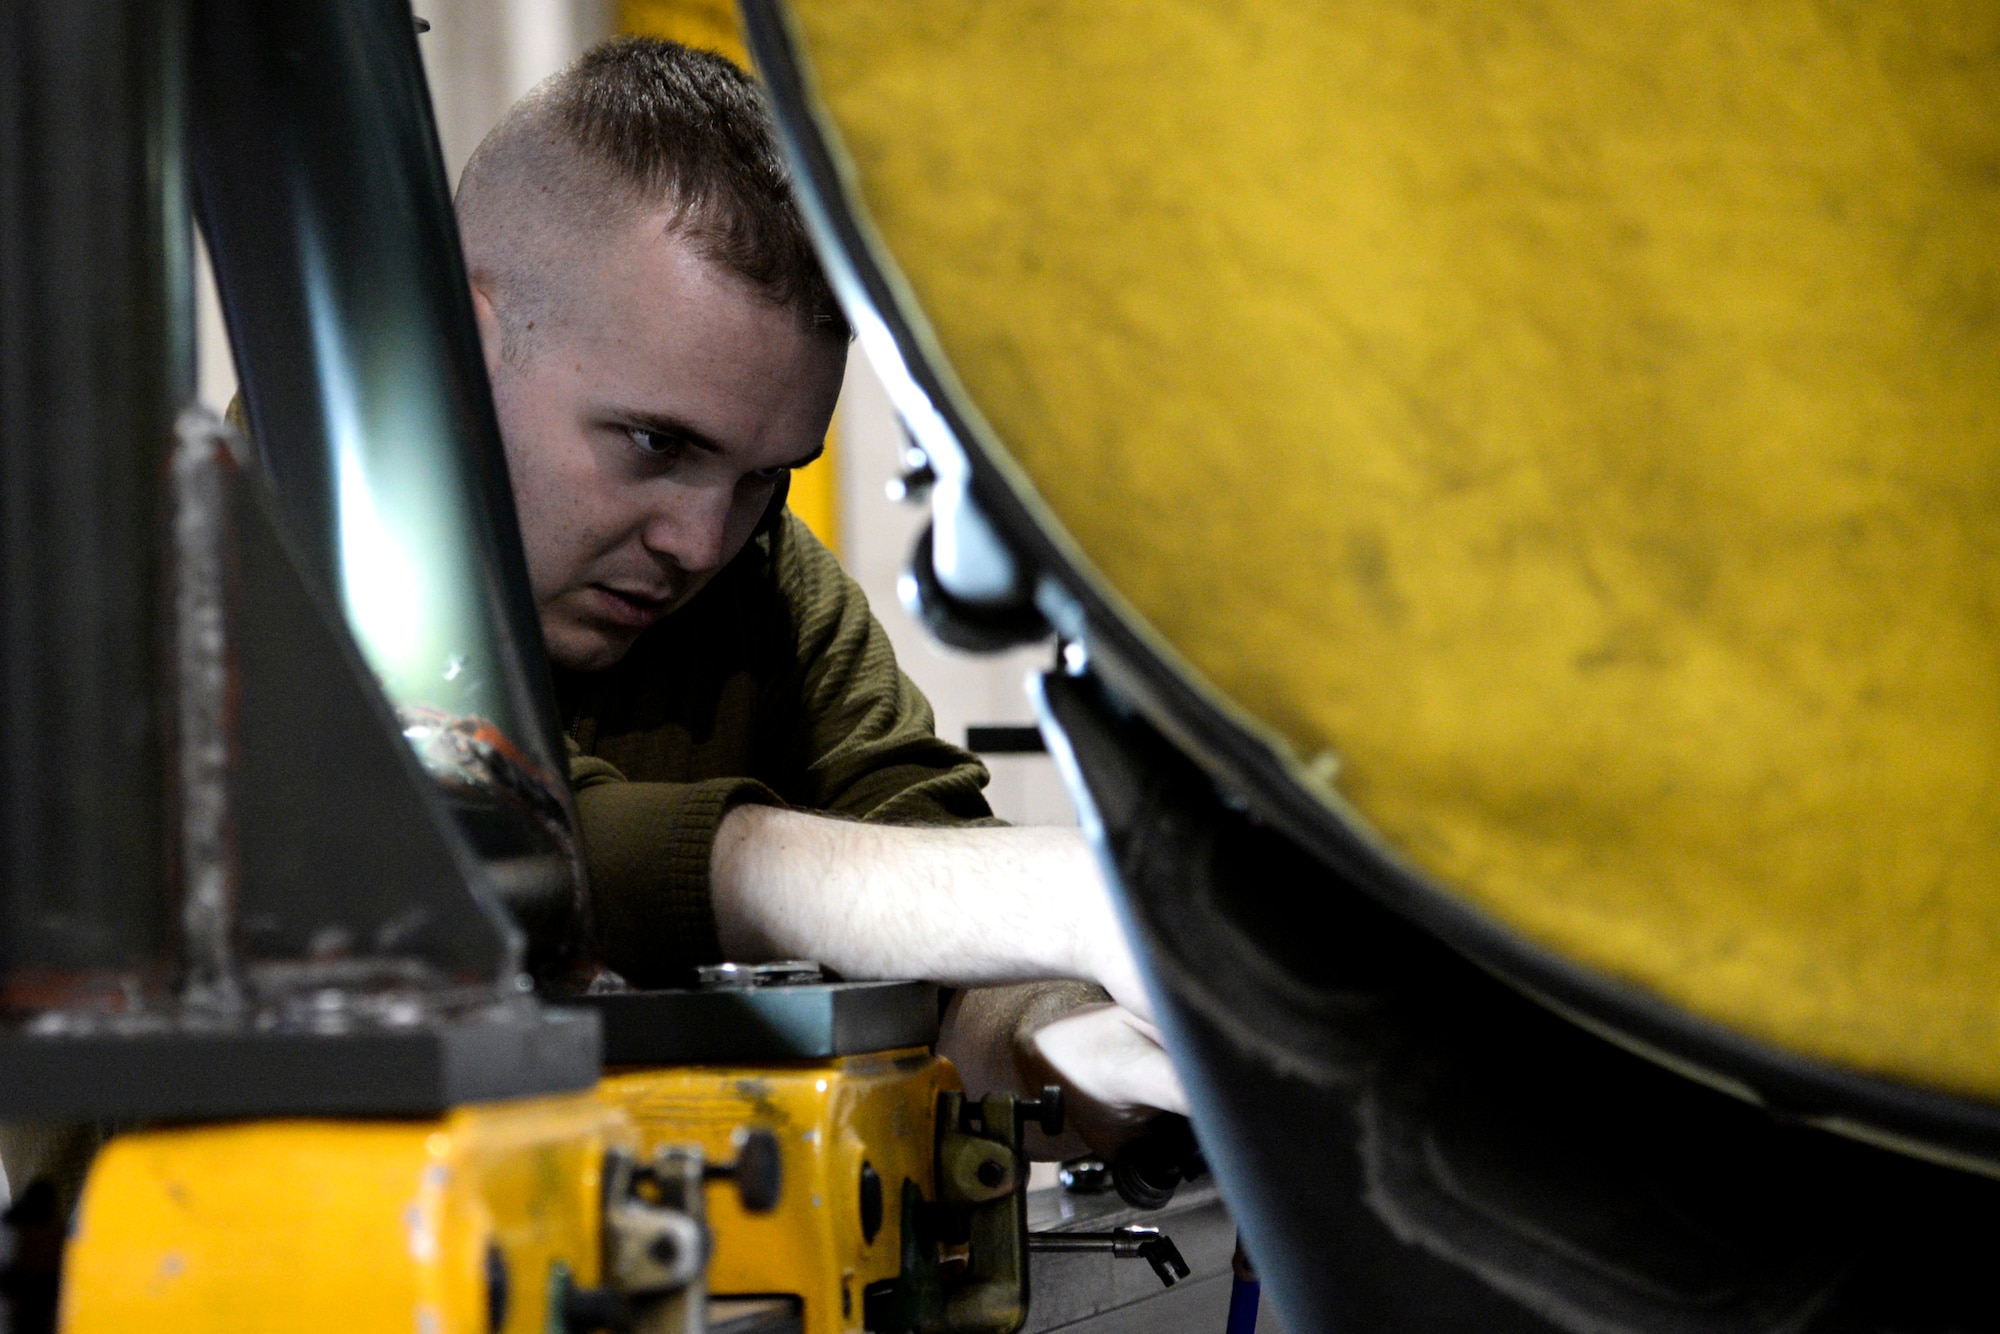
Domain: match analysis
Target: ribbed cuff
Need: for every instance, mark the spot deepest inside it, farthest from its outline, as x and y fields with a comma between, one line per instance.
x=648, y=846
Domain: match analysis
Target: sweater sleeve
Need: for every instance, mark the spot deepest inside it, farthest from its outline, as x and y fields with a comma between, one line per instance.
x=648, y=847
x=840, y=731
x=859, y=738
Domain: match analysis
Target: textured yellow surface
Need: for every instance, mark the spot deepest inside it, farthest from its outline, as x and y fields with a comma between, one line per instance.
x=706, y=25
x=340, y=1226
x=1578, y=420
x=829, y=1119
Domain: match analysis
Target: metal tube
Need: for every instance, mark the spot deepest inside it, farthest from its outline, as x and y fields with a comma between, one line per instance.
x=324, y=200
x=1123, y=1243
x=323, y=197
x=95, y=360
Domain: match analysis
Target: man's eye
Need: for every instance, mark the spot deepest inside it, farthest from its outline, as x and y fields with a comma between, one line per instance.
x=653, y=444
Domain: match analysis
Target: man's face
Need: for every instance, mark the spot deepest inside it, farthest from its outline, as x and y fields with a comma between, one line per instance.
x=646, y=435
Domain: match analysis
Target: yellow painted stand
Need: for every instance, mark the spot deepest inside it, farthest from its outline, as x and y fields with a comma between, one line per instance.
x=342, y=1226
x=830, y=1118
x=397, y=1225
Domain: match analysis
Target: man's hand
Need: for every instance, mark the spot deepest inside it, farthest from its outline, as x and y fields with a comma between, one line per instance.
x=1114, y=1074
x=970, y=908
x=1113, y=1069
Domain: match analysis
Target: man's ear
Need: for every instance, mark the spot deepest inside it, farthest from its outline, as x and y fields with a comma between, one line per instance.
x=774, y=510
x=489, y=327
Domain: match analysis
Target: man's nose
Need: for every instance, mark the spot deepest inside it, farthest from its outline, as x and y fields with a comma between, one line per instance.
x=692, y=531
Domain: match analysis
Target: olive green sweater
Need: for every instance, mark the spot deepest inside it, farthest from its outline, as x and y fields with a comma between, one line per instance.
x=775, y=685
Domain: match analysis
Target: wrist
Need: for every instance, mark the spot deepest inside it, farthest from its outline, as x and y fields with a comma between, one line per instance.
x=741, y=922
x=1095, y=939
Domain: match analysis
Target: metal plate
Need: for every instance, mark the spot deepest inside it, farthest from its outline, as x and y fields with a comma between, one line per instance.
x=509, y=1051
x=811, y=1021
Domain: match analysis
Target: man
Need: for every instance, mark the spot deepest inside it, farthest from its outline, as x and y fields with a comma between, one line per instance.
x=756, y=779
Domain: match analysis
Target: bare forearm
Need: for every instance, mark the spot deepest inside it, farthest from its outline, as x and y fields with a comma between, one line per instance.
x=969, y=908
x=966, y=907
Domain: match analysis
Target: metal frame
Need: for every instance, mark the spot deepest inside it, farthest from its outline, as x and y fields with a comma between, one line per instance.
x=340, y=949
x=95, y=360
x=322, y=192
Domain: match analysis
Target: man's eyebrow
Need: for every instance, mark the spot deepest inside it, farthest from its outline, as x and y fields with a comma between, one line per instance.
x=677, y=429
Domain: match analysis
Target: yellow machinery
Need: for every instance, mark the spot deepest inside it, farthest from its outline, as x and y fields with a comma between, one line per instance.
x=1579, y=424
x=869, y=1194
x=903, y=1205
x=485, y=1219
x=852, y=1130
x=533, y=1215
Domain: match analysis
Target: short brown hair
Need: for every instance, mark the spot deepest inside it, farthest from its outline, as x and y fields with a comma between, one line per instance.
x=634, y=124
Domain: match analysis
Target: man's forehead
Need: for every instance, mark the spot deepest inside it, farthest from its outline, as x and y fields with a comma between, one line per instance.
x=650, y=280
x=663, y=335
x=661, y=244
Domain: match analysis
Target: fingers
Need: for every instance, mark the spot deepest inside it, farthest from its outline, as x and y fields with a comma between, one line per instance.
x=1111, y=1065
x=1115, y=1075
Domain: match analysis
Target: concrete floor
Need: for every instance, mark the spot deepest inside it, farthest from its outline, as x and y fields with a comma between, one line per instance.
x=1103, y=1295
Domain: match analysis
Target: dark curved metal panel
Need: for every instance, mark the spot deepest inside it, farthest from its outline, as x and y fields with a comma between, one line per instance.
x=1408, y=1143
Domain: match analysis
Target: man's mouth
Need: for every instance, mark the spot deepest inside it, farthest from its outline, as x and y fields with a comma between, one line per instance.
x=631, y=608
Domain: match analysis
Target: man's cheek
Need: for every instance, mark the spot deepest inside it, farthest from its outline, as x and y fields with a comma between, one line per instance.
x=545, y=577
x=558, y=535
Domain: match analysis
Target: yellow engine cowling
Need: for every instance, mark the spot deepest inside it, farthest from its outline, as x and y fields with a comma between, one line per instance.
x=1578, y=423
